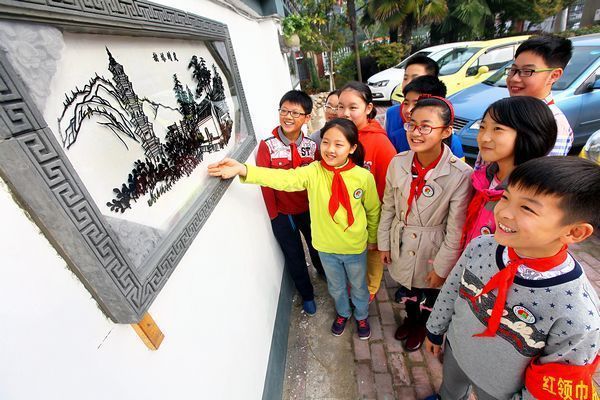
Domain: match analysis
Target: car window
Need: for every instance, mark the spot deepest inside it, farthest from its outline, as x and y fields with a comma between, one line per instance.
x=582, y=58
x=420, y=53
x=454, y=60
x=493, y=59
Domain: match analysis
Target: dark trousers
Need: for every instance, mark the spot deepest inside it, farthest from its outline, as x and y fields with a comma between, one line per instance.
x=286, y=229
x=419, y=302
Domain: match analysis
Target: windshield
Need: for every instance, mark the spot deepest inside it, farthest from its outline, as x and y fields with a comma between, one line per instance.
x=420, y=53
x=582, y=58
x=455, y=59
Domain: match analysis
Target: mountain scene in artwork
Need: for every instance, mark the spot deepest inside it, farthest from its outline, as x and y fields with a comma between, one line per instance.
x=203, y=125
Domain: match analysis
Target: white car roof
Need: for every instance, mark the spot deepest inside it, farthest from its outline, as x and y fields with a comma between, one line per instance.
x=445, y=46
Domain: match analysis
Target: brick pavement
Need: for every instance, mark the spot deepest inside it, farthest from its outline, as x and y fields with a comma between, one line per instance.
x=385, y=371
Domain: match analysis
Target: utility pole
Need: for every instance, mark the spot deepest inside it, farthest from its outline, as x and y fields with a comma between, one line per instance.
x=352, y=19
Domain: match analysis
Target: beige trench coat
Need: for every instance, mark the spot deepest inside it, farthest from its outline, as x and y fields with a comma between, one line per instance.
x=431, y=237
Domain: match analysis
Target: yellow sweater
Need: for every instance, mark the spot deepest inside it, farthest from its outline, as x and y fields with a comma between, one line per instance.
x=329, y=236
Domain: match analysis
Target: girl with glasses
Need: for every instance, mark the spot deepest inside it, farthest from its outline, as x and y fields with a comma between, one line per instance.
x=331, y=104
x=426, y=195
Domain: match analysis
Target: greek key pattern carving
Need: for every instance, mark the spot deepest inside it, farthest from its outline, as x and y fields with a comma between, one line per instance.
x=20, y=120
x=15, y=115
x=40, y=149
x=131, y=11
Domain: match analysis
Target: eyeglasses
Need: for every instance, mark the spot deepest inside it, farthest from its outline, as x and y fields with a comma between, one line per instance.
x=423, y=129
x=525, y=73
x=295, y=114
x=331, y=109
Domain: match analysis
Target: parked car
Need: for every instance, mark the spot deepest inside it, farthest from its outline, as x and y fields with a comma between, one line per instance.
x=576, y=93
x=383, y=83
x=471, y=64
x=591, y=149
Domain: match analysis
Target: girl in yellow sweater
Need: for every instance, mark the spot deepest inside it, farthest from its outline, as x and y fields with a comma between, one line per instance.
x=344, y=209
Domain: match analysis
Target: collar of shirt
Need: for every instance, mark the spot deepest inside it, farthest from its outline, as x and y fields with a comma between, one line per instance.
x=530, y=274
x=287, y=141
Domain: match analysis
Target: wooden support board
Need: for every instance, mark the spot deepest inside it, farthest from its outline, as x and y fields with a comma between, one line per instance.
x=149, y=332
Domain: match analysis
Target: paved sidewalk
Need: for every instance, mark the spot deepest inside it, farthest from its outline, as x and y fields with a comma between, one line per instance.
x=321, y=366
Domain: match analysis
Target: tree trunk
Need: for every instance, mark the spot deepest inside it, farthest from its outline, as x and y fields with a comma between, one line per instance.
x=393, y=35
x=331, y=79
x=352, y=20
x=407, y=28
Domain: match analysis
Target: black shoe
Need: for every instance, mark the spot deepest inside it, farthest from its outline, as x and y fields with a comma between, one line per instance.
x=339, y=325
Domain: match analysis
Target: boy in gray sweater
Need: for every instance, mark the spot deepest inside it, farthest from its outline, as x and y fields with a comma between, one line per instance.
x=520, y=317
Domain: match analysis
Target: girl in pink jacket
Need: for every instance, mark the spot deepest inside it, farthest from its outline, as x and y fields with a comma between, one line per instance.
x=513, y=130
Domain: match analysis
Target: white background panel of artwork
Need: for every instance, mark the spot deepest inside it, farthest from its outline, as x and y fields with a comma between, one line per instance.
x=104, y=159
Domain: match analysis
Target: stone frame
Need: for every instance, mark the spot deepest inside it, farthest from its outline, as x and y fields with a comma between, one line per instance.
x=44, y=183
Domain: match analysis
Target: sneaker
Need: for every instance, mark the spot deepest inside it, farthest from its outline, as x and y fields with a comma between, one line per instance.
x=339, y=325
x=403, y=330
x=363, y=329
x=371, y=297
x=415, y=339
x=309, y=307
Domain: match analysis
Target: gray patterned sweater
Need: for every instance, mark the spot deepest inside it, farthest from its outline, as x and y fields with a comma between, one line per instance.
x=556, y=318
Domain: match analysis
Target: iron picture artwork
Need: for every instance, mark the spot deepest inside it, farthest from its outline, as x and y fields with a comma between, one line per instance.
x=105, y=132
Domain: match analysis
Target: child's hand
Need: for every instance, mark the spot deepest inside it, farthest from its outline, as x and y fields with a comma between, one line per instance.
x=434, y=280
x=371, y=246
x=432, y=348
x=227, y=168
x=386, y=257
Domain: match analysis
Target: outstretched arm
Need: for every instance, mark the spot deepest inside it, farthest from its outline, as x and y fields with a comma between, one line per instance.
x=227, y=168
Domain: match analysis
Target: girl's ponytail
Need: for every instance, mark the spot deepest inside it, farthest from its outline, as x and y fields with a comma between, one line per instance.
x=358, y=157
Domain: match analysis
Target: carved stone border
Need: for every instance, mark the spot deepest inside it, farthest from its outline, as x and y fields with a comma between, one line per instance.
x=44, y=182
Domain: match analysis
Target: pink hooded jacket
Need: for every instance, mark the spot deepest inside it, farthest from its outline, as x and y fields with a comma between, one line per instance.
x=480, y=214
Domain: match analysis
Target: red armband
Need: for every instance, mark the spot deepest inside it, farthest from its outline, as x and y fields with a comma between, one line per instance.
x=561, y=381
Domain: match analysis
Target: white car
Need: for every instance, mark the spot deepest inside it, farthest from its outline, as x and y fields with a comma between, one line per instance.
x=383, y=83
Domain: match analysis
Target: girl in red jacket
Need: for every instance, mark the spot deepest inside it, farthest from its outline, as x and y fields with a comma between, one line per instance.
x=356, y=104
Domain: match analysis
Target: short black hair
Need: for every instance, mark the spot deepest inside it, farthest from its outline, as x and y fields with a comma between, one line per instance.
x=555, y=50
x=298, y=97
x=574, y=180
x=365, y=93
x=532, y=119
x=426, y=84
x=431, y=67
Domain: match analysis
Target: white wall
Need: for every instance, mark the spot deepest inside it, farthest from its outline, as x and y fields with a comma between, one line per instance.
x=217, y=310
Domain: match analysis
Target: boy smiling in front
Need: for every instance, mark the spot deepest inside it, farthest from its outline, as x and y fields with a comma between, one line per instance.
x=521, y=317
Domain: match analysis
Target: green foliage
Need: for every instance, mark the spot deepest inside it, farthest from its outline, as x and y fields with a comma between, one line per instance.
x=581, y=31
x=387, y=55
x=346, y=69
x=295, y=24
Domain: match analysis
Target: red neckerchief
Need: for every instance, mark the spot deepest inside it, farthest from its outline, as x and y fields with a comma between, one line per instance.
x=296, y=159
x=416, y=185
x=339, y=192
x=477, y=203
x=503, y=279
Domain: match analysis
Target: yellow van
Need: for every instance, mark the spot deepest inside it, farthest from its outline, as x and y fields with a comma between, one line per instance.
x=467, y=65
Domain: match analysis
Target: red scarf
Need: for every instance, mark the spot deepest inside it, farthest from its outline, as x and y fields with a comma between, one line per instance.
x=296, y=159
x=503, y=279
x=339, y=192
x=417, y=184
x=479, y=200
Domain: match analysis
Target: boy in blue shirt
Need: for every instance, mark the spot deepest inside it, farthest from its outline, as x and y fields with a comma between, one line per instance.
x=416, y=67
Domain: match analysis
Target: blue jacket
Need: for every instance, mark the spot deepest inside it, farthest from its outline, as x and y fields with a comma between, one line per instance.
x=394, y=126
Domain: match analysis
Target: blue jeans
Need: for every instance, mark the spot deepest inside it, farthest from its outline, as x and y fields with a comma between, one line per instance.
x=342, y=269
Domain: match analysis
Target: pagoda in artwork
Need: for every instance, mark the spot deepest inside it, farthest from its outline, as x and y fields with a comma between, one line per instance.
x=143, y=128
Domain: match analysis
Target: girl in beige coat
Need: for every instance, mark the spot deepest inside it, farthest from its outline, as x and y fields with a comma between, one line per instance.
x=424, y=207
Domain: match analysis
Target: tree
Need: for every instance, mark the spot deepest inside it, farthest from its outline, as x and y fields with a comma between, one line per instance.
x=321, y=30
x=406, y=14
